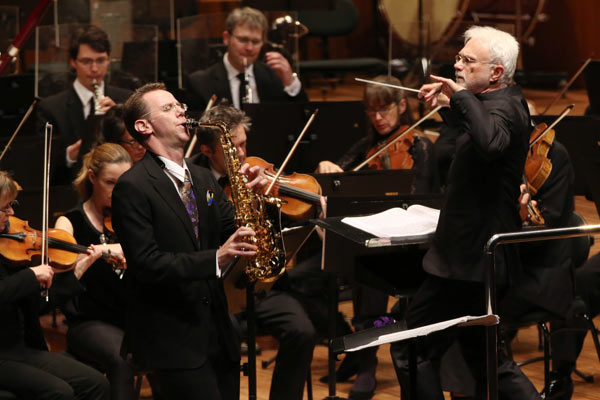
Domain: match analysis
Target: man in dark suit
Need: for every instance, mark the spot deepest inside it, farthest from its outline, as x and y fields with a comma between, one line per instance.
x=74, y=112
x=240, y=77
x=178, y=235
x=481, y=199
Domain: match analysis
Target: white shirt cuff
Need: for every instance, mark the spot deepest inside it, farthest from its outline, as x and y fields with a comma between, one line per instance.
x=70, y=162
x=293, y=88
x=217, y=265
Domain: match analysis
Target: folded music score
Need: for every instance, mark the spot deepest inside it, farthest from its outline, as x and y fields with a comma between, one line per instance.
x=416, y=224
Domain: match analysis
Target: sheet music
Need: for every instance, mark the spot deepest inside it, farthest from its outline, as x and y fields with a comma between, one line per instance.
x=398, y=223
x=467, y=320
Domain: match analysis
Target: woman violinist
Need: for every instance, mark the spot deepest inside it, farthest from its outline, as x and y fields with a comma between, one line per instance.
x=389, y=114
x=27, y=368
x=96, y=310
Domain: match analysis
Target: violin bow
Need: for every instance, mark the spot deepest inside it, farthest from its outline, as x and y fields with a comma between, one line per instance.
x=292, y=150
x=563, y=114
x=45, y=200
x=399, y=137
x=564, y=90
x=14, y=135
x=194, y=139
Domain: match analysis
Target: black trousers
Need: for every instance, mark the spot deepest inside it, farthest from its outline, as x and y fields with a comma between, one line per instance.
x=566, y=346
x=98, y=344
x=281, y=315
x=37, y=374
x=441, y=299
x=218, y=378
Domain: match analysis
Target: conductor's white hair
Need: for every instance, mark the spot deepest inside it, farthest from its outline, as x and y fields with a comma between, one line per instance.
x=503, y=47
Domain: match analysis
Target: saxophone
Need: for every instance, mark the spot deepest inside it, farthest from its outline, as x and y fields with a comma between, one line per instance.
x=260, y=213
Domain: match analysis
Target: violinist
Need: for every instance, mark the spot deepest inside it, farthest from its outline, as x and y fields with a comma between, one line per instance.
x=279, y=313
x=27, y=368
x=389, y=114
x=546, y=280
x=240, y=77
x=96, y=308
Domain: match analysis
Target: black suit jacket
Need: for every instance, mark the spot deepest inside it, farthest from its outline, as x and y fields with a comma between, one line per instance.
x=482, y=190
x=213, y=80
x=174, y=296
x=65, y=112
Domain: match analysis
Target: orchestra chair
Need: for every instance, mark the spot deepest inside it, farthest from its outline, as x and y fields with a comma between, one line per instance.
x=339, y=21
x=580, y=247
x=138, y=375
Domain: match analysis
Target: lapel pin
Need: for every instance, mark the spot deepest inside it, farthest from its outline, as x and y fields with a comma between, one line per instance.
x=210, y=196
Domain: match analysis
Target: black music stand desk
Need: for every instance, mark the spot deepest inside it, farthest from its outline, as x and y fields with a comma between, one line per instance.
x=346, y=244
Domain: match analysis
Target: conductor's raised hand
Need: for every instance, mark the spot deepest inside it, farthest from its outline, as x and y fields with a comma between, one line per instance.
x=256, y=178
x=439, y=91
x=236, y=246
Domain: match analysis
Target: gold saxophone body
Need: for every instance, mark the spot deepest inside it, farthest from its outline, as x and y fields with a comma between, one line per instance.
x=260, y=213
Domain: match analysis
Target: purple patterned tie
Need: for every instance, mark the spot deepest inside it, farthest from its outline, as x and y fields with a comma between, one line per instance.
x=189, y=201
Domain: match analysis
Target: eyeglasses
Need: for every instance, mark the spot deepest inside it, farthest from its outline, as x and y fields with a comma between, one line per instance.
x=468, y=60
x=168, y=107
x=245, y=40
x=87, y=62
x=10, y=206
x=384, y=112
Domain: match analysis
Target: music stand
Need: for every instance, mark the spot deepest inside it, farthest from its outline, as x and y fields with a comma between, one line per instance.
x=17, y=96
x=591, y=74
x=275, y=127
x=580, y=136
x=359, y=184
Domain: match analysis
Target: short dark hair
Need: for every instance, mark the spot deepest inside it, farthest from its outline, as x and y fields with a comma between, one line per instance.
x=230, y=116
x=135, y=107
x=113, y=125
x=91, y=35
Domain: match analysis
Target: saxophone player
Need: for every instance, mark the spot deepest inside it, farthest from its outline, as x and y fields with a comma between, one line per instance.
x=177, y=231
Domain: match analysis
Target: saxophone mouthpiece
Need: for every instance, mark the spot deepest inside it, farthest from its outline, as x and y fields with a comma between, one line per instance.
x=191, y=123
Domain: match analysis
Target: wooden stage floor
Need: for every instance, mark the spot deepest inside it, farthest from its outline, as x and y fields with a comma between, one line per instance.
x=524, y=346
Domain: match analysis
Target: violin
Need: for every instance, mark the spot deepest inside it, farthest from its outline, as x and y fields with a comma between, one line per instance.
x=20, y=243
x=397, y=155
x=538, y=166
x=300, y=191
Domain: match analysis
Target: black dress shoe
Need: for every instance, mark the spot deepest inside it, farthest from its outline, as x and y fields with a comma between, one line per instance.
x=356, y=395
x=560, y=388
x=348, y=368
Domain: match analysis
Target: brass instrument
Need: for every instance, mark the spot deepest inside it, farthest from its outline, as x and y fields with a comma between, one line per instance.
x=260, y=213
x=97, y=96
